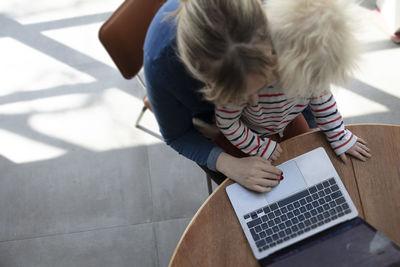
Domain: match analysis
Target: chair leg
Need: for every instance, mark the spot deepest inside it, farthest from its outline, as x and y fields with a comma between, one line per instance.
x=140, y=115
x=209, y=184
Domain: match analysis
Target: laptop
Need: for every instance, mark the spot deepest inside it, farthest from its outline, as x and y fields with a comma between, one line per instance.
x=310, y=204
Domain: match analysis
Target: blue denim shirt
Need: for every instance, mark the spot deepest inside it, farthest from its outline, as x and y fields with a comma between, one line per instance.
x=173, y=92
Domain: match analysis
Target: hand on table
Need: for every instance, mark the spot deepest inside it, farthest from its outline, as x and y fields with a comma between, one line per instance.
x=254, y=173
x=359, y=150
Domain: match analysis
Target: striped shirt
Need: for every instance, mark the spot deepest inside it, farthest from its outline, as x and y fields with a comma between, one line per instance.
x=247, y=127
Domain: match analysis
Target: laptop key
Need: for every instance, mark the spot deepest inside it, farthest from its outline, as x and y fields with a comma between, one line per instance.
x=320, y=186
x=296, y=204
x=277, y=213
x=347, y=211
x=332, y=204
x=290, y=207
x=341, y=214
x=288, y=231
x=296, y=212
x=326, y=214
x=303, y=201
x=286, y=238
x=254, y=215
x=283, y=217
x=307, y=215
x=269, y=232
x=295, y=228
x=334, y=188
x=328, y=199
x=277, y=220
x=336, y=194
x=256, y=237
x=334, y=217
x=246, y=216
x=288, y=223
x=259, y=211
x=301, y=218
x=264, y=226
x=290, y=215
x=267, y=210
x=275, y=237
x=312, y=189
x=271, y=215
x=295, y=220
x=332, y=212
x=273, y=206
x=314, y=212
x=275, y=229
x=315, y=196
x=307, y=229
x=309, y=207
x=301, y=225
x=326, y=207
x=254, y=223
x=258, y=229
x=300, y=232
x=260, y=243
x=282, y=226
x=264, y=218
x=293, y=235
x=339, y=209
x=332, y=181
x=307, y=222
x=293, y=198
x=340, y=200
x=265, y=247
x=320, y=217
x=272, y=245
x=327, y=191
x=302, y=209
x=345, y=206
x=263, y=234
x=284, y=210
x=326, y=184
x=313, y=220
x=320, y=209
x=268, y=239
x=271, y=223
x=279, y=241
x=282, y=234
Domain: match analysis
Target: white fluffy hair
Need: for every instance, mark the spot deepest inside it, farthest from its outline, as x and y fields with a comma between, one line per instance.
x=314, y=42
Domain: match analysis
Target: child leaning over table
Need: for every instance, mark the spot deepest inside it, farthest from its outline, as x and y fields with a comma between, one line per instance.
x=314, y=46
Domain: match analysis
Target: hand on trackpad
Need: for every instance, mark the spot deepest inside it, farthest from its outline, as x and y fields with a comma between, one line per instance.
x=293, y=182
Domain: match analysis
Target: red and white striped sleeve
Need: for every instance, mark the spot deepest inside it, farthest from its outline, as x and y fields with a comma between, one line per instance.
x=240, y=135
x=329, y=120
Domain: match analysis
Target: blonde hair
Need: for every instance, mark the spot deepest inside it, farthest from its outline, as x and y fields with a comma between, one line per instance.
x=221, y=42
x=314, y=42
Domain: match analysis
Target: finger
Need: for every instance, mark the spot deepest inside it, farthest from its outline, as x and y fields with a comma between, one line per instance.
x=266, y=182
x=343, y=158
x=273, y=157
x=260, y=189
x=357, y=155
x=279, y=149
x=364, y=147
x=361, y=141
x=271, y=172
x=363, y=152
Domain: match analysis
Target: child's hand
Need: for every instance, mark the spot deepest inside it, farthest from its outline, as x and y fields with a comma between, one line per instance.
x=276, y=154
x=359, y=150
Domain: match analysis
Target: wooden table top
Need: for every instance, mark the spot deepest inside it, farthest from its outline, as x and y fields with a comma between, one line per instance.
x=214, y=236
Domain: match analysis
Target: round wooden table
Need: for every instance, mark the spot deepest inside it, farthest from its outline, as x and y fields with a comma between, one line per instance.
x=214, y=236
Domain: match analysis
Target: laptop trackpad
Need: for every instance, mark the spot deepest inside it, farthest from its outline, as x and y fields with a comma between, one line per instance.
x=293, y=182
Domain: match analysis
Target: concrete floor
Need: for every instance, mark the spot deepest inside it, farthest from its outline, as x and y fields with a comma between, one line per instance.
x=79, y=184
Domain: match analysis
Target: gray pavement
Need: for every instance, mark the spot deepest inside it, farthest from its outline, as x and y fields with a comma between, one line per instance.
x=79, y=184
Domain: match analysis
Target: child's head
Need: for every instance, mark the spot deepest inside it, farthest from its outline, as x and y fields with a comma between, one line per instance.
x=314, y=42
x=222, y=42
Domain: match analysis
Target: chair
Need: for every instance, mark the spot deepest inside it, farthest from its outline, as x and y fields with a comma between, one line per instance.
x=123, y=35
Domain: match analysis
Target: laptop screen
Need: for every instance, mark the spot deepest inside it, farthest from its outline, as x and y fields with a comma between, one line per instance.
x=354, y=243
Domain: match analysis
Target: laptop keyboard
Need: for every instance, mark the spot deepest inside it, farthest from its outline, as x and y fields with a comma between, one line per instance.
x=297, y=214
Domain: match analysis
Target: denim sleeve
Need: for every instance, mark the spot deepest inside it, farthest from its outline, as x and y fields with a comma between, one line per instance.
x=175, y=121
